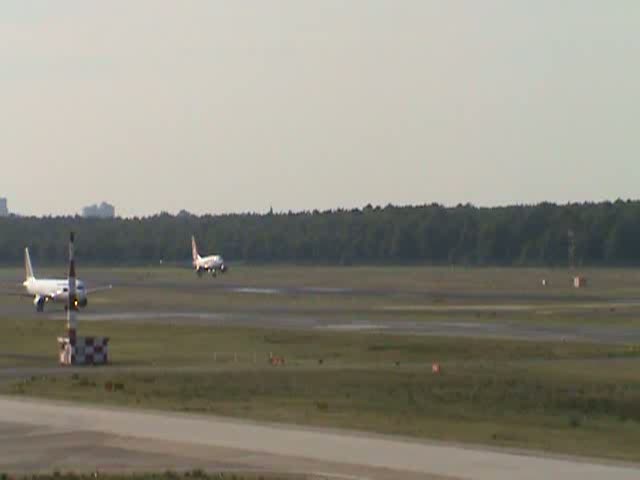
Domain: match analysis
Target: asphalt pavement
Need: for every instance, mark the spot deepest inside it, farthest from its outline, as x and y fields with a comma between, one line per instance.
x=238, y=444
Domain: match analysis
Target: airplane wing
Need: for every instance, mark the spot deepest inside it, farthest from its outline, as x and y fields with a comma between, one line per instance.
x=99, y=289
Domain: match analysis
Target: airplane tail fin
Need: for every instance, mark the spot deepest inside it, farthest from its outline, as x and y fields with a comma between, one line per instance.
x=194, y=250
x=27, y=264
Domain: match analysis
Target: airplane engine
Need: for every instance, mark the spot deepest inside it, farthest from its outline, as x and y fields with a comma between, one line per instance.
x=223, y=268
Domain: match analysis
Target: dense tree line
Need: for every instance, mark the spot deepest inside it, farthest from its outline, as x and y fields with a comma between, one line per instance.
x=546, y=234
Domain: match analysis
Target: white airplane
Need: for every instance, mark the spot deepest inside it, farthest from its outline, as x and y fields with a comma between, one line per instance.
x=211, y=263
x=46, y=290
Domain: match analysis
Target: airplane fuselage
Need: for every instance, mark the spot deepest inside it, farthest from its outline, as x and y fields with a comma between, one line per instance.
x=212, y=264
x=54, y=290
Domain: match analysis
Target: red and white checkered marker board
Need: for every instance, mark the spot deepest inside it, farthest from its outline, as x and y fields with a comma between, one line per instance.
x=84, y=351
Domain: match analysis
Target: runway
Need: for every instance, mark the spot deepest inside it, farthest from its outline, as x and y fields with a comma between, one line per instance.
x=357, y=292
x=448, y=326
x=246, y=445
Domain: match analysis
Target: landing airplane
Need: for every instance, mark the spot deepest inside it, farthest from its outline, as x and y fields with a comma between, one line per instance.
x=46, y=290
x=211, y=263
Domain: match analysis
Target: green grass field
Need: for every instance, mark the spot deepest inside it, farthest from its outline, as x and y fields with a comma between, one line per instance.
x=573, y=398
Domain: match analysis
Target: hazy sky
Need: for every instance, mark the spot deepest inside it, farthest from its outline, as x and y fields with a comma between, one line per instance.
x=230, y=106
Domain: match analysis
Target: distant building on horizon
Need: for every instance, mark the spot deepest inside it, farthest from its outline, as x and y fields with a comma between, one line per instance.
x=4, y=211
x=104, y=210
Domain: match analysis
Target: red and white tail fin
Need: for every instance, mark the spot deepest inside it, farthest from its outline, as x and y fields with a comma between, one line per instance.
x=194, y=250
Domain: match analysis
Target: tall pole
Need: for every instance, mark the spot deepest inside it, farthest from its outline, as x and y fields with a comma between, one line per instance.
x=72, y=305
x=572, y=248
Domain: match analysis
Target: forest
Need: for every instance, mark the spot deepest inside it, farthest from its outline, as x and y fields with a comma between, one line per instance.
x=605, y=233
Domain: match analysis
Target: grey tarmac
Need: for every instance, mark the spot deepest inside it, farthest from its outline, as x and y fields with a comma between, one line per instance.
x=28, y=449
x=243, y=445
